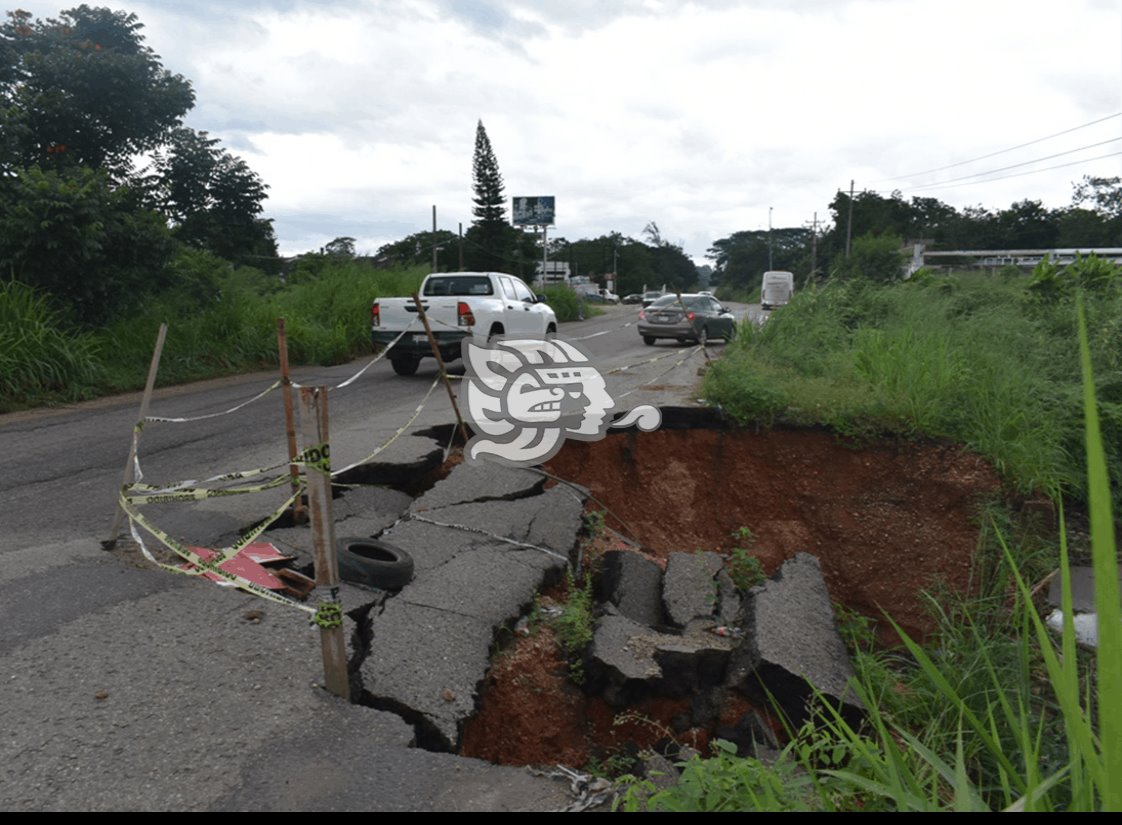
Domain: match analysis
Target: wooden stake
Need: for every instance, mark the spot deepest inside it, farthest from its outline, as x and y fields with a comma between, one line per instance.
x=317, y=454
x=130, y=465
x=440, y=364
x=299, y=513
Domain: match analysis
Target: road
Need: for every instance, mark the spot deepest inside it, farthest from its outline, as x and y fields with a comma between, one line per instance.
x=128, y=687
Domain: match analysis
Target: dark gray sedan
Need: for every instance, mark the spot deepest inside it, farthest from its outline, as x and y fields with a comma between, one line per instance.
x=686, y=318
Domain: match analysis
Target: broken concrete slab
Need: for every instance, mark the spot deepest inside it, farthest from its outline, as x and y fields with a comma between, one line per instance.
x=371, y=502
x=551, y=519
x=1082, y=590
x=430, y=643
x=633, y=583
x=432, y=545
x=792, y=643
x=401, y=465
x=491, y=584
x=425, y=664
x=479, y=482
x=630, y=661
x=688, y=587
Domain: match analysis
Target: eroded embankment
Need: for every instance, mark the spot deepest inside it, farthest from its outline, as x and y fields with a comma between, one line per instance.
x=886, y=520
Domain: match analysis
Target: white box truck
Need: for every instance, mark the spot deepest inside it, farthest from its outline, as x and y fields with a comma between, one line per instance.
x=778, y=286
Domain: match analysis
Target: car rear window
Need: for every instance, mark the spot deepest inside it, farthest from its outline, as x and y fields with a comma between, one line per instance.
x=461, y=285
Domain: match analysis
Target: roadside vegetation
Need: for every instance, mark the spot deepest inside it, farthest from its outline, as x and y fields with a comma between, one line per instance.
x=991, y=713
x=991, y=362
x=221, y=320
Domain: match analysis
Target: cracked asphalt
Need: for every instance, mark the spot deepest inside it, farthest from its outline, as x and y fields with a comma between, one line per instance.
x=129, y=688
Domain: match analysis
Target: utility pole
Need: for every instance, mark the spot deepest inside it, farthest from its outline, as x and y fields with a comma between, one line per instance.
x=813, y=251
x=434, y=237
x=849, y=223
x=461, y=246
x=770, y=262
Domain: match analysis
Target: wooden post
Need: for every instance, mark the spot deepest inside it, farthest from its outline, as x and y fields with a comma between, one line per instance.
x=440, y=364
x=130, y=465
x=299, y=514
x=317, y=454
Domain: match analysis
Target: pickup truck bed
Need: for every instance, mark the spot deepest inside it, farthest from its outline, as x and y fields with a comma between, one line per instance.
x=458, y=305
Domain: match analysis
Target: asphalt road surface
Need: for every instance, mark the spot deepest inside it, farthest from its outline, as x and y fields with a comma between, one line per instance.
x=129, y=687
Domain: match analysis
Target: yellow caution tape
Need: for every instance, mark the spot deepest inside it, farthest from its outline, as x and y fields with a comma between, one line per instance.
x=399, y=431
x=212, y=565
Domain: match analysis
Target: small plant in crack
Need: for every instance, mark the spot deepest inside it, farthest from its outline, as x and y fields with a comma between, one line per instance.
x=574, y=626
x=742, y=564
x=594, y=523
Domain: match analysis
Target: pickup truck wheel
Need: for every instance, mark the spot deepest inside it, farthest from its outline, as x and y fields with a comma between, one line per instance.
x=405, y=364
x=550, y=332
x=649, y=340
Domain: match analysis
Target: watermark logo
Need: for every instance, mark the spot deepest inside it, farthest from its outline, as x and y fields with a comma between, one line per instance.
x=525, y=396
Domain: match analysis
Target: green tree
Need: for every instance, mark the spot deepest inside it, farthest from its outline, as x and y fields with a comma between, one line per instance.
x=417, y=249
x=875, y=257
x=490, y=239
x=86, y=242
x=213, y=199
x=83, y=90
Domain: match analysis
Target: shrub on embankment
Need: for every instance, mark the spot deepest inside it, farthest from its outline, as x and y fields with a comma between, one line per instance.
x=990, y=362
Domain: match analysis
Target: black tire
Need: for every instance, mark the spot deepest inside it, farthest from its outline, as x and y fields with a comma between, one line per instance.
x=649, y=340
x=550, y=332
x=374, y=563
x=405, y=364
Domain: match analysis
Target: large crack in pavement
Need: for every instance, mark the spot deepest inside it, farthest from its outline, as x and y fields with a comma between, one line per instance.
x=484, y=540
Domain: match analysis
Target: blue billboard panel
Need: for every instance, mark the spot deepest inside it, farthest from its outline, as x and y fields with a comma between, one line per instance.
x=533, y=211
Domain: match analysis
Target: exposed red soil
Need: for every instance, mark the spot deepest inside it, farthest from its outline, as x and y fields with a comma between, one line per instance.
x=887, y=521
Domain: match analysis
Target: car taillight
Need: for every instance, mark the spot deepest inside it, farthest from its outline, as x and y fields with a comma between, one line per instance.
x=642, y=315
x=375, y=315
x=689, y=316
x=464, y=315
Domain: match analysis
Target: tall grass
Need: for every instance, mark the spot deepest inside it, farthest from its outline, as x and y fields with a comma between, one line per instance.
x=232, y=326
x=40, y=358
x=975, y=359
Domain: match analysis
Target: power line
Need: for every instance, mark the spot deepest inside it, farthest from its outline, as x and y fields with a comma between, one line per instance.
x=1002, y=151
x=947, y=184
x=1017, y=165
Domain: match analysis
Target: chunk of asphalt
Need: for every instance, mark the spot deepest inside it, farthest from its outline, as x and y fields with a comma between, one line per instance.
x=551, y=519
x=630, y=661
x=792, y=643
x=633, y=583
x=490, y=584
x=425, y=663
x=688, y=587
x=430, y=545
x=1082, y=590
x=479, y=482
x=371, y=502
x=402, y=462
x=430, y=644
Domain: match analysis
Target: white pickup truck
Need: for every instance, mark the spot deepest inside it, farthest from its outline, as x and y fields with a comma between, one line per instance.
x=480, y=305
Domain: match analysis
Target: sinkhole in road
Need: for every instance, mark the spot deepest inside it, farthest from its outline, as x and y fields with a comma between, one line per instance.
x=887, y=520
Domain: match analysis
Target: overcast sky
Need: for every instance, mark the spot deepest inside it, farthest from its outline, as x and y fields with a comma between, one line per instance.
x=700, y=116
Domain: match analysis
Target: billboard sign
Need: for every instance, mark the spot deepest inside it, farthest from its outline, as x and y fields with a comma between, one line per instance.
x=533, y=211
